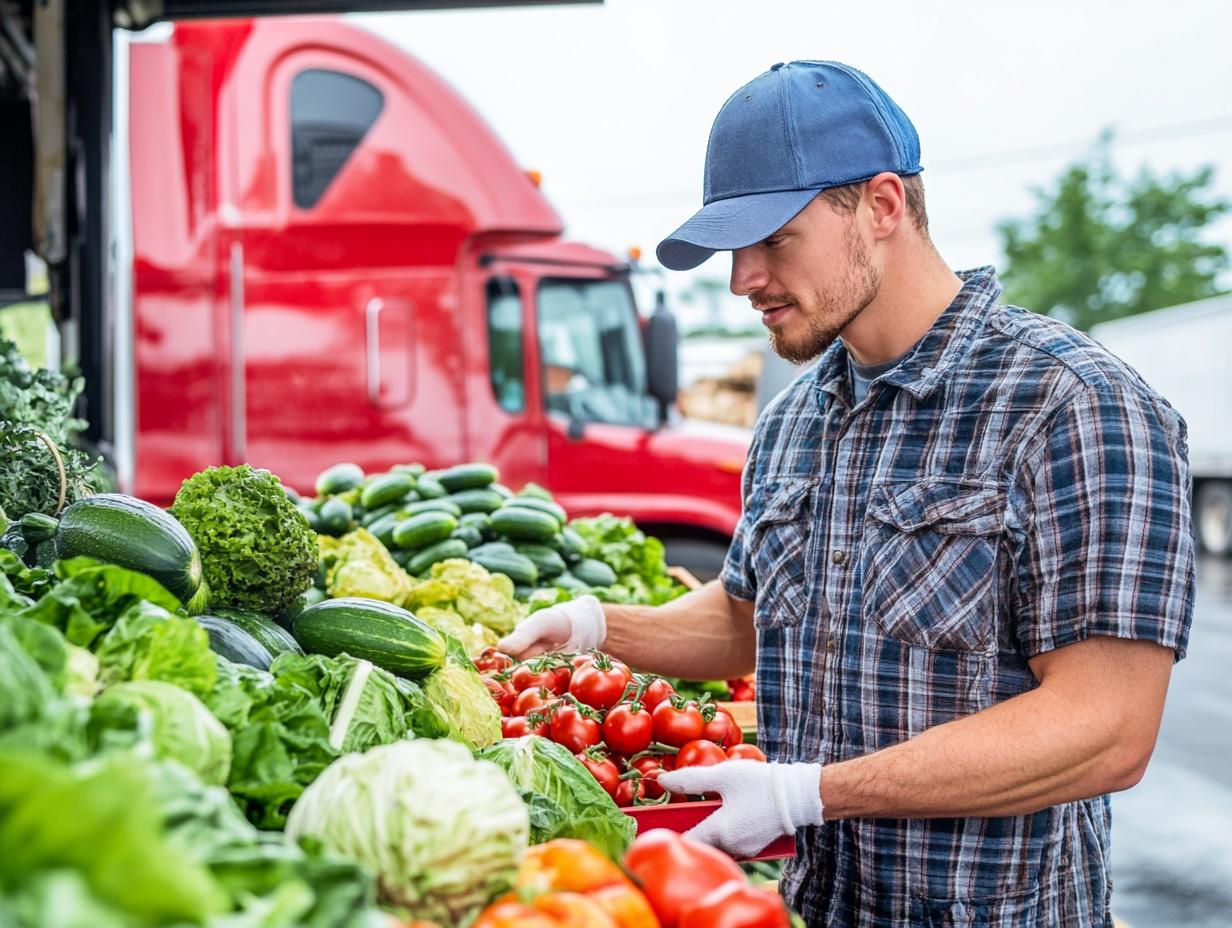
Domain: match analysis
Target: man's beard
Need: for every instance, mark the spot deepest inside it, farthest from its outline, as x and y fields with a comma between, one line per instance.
x=835, y=310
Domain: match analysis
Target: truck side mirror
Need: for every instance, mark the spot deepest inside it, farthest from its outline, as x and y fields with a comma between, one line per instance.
x=662, y=342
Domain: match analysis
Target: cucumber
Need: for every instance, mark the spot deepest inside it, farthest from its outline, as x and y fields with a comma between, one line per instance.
x=335, y=517
x=386, y=489
x=428, y=487
x=543, y=505
x=415, y=470
x=567, y=581
x=291, y=494
x=533, y=489
x=131, y=533
x=523, y=591
x=235, y=644
x=14, y=539
x=469, y=534
x=275, y=639
x=574, y=545
x=495, y=547
x=522, y=523
x=374, y=515
x=424, y=529
x=339, y=479
x=517, y=567
x=432, y=505
x=36, y=527
x=548, y=562
x=467, y=477
x=442, y=550
x=481, y=500
x=387, y=635
x=503, y=490
x=593, y=572
x=383, y=528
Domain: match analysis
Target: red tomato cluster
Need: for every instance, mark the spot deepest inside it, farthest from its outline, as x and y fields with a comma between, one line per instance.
x=624, y=727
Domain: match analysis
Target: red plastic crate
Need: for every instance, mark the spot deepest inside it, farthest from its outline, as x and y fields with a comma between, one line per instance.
x=681, y=816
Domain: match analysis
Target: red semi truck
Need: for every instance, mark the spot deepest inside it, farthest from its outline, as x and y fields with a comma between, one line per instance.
x=330, y=256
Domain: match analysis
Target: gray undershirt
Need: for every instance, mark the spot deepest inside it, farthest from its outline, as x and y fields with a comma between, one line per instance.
x=862, y=375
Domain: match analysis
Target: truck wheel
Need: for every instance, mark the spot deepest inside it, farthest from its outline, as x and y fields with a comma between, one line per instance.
x=703, y=559
x=1214, y=517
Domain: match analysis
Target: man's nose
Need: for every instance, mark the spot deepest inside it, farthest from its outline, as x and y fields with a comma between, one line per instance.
x=748, y=273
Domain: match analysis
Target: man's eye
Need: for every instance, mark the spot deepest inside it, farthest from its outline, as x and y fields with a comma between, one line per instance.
x=774, y=241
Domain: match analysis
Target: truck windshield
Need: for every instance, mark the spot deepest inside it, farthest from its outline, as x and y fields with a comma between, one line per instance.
x=591, y=350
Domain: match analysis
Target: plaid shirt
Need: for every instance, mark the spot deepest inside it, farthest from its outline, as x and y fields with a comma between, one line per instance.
x=1009, y=488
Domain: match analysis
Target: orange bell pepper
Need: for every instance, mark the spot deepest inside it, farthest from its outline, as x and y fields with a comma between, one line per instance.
x=568, y=865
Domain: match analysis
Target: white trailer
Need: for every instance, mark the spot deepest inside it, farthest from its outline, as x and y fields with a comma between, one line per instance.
x=1185, y=353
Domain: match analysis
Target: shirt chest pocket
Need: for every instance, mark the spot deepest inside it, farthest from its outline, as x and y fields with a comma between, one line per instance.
x=783, y=552
x=929, y=561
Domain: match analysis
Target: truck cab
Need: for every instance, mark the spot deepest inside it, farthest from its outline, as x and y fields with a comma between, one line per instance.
x=332, y=257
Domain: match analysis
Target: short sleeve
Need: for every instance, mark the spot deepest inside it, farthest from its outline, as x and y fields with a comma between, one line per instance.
x=737, y=576
x=1108, y=547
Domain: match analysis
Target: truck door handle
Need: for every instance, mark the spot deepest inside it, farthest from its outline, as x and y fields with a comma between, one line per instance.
x=372, y=320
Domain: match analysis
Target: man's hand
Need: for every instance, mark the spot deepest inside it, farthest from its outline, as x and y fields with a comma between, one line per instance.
x=577, y=625
x=760, y=801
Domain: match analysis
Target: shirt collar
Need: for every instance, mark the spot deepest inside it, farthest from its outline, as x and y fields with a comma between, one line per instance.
x=924, y=366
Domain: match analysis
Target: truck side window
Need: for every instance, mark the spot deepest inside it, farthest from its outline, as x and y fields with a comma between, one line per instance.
x=331, y=112
x=505, y=343
x=594, y=368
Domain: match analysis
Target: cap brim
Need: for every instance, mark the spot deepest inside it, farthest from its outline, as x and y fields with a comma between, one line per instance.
x=726, y=225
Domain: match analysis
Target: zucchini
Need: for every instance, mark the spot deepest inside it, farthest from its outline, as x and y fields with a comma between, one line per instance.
x=548, y=562
x=517, y=567
x=432, y=505
x=469, y=534
x=522, y=523
x=543, y=505
x=593, y=572
x=481, y=500
x=235, y=644
x=15, y=540
x=131, y=533
x=273, y=638
x=335, y=517
x=45, y=553
x=428, y=487
x=36, y=527
x=339, y=479
x=424, y=529
x=467, y=477
x=310, y=597
x=442, y=550
x=387, y=635
x=386, y=489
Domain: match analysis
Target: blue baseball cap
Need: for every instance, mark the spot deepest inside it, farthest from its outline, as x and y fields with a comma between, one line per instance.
x=788, y=134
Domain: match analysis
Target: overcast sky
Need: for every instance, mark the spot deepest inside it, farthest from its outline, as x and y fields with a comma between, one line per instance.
x=613, y=103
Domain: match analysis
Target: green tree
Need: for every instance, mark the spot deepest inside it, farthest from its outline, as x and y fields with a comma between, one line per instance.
x=1101, y=246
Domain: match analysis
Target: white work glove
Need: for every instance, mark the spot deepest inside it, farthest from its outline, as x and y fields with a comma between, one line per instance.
x=578, y=625
x=761, y=801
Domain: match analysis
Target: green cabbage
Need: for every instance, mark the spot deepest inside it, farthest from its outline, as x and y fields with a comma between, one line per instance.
x=565, y=801
x=475, y=637
x=443, y=832
x=176, y=723
x=362, y=566
x=470, y=591
x=257, y=550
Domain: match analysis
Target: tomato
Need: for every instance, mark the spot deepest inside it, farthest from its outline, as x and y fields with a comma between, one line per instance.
x=581, y=659
x=540, y=724
x=675, y=872
x=491, y=659
x=700, y=753
x=629, y=792
x=626, y=904
x=723, y=730
x=562, y=675
x=568, y=865
x=529, y=700
x=657, y=691
x=746, y=752
x=534, y=675
x=573, y=730
x=514, y=726
x=628, y=729
x=677, y=726
x=501, y=691
x=600, y=684
x=736, y=905
x=603, y=769
x=649, y=766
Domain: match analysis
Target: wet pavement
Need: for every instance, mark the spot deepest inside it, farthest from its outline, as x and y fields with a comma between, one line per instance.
x=1172, y=833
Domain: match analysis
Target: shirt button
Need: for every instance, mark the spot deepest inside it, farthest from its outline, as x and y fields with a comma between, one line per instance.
x=839, y=558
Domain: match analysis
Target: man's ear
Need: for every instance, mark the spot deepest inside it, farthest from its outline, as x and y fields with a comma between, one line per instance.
x=886, y=202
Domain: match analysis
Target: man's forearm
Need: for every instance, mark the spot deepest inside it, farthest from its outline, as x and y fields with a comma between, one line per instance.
x=1080, y=736
x=703, y=635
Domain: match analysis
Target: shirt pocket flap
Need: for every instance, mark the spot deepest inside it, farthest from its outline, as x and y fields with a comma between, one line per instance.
x=950, y=507
x=784, y=501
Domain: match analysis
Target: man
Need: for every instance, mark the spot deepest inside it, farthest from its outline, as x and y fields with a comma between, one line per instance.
x=964, y=563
